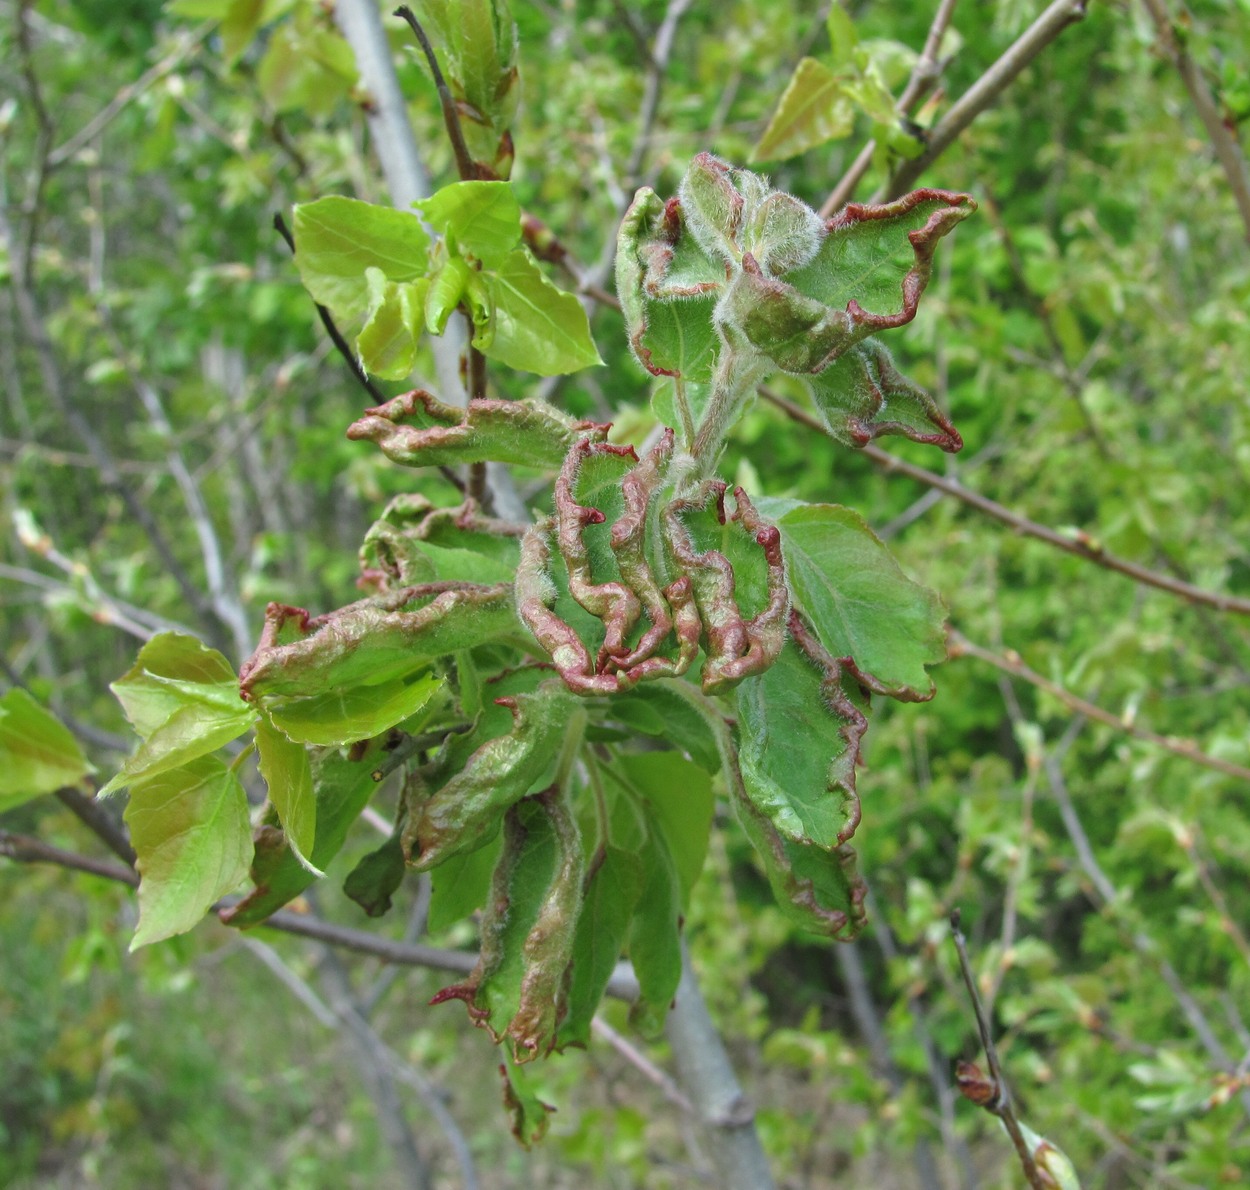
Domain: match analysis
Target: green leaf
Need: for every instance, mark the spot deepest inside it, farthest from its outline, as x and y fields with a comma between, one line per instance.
x=337, y=239
x=879, y=257
x=479, y=219
x=677, y=801
x=654, y=942
x=448, y=284
x=818, y=888
x=342, y=785
x=536, y=327
x=287, y=770
x=530, y=1115
x=387, y=344
x=799, y=742
x=842, y=37
x=861, y=396
x=465, y=813
x=460, y=885
x=192, y=731
x=373, y=881
x=38, y=754
x=862, y=606
x=813, y=109
x=680, y=338
x=608, y=906
x=419, y=430
x=348, y=714
x=662, y=708
x=190, y=830
x=172, y=671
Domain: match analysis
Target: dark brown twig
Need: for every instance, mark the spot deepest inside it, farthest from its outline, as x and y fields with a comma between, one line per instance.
x=992, y=1093
x=451, y=117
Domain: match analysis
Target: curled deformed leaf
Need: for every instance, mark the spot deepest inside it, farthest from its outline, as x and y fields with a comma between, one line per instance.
x=519, y=988
x=419, y=430
x=617, y=625
x=862, y=395
x=465, y=812
x=386, y=638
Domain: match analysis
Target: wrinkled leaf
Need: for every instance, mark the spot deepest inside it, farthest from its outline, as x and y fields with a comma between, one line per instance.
x=419, y=430
x=530, y=1115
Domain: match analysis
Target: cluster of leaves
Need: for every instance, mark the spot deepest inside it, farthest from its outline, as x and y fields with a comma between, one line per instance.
x=512, y=665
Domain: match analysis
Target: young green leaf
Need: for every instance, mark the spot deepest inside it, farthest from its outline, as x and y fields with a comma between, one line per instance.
x=190, y=830
x=342, y=785
x=37, y=753
x=530, y=1115
x=337, y=239
x=813, y=109
x=353, y=713
x=481, y=220
x=654, y=941
x=536, y=327
x=287, y=770
x=387, y=343
x=461, y=884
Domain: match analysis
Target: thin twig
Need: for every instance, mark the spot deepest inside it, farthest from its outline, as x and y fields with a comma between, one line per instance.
x=998, y=1099
x=1082, y=545
x=1011, y=663
x=1223, y=138
x=451, y=116
x=649, y=1070
x=657, y=66
x=1052, y=22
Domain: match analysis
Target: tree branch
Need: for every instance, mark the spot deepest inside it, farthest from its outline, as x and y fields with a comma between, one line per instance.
x=707, y=1077
x=1053, y=21
x=994, y=1094
x=923, y=77
x=1082, y=545
x=1010, y=663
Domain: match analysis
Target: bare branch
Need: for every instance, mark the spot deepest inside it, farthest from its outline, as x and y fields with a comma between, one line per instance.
x=1053, y=21
x=657, y=66
x=1223, y=138
x=1011, y=663
x=649, y=1070
x=1081, y=544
